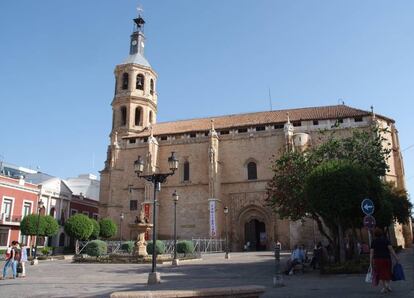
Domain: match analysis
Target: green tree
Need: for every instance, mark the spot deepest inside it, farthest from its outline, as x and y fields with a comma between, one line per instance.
x=80, y=227
x=401, y=205
x=96, y=229
x=108, y=228
x=285, y=192
x=335, y=190
x=51, y=226
x=32, y=224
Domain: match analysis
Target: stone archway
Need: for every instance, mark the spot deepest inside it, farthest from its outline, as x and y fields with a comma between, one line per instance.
x=255, y=235
x=255, y=226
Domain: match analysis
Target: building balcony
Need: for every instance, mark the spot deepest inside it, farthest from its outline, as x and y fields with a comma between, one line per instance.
x=10, y=220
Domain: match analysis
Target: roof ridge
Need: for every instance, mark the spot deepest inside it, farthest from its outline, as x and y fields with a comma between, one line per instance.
x=259, y=112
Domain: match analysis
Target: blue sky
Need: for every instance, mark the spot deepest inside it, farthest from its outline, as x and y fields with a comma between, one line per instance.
x=212, y=57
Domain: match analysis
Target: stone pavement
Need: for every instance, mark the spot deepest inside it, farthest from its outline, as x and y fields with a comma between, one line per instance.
x=66, y=279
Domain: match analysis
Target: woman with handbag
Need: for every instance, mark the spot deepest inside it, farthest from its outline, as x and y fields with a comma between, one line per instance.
x=380, y=259
x=21, y=266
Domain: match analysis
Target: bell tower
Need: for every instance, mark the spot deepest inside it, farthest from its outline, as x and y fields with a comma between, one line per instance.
x=134, y=105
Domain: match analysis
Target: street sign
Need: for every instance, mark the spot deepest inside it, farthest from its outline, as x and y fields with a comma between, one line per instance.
x=367, y=206
x=369, y=222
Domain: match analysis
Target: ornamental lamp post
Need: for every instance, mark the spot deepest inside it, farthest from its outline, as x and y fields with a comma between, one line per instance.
x=175, y=199
x=156, y=179
x=40, y=205
x=226, y=211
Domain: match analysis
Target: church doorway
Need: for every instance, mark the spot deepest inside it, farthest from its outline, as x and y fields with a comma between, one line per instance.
x=255, y=234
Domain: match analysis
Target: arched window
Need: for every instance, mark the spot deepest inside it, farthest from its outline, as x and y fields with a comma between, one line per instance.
x=186, y=171
x=123, y=116
x=125, y=79
x=140, y=82
x=152, y=87
x=251, y=171
x=138, y=116
x=150, y=117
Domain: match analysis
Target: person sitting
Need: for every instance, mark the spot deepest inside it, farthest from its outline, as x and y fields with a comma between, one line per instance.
x=297, y=257
x=317, y=256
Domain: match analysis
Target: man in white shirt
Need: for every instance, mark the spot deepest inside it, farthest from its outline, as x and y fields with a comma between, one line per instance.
x=297, y=257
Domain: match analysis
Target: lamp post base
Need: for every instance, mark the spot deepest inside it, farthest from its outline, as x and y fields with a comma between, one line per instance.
x=278, y=281
x=154, y=278
x=227, y=255
x=175, y=262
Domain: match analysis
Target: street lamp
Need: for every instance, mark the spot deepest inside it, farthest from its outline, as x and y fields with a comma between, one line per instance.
x=121, y=217
x=226, y=211
x=156, y=179
x=175, y=199
x=39, y=207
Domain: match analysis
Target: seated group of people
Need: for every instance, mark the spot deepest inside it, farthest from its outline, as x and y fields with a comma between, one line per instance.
x=299, y=257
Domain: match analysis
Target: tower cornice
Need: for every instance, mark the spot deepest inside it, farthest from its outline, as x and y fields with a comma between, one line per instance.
x=133, y=99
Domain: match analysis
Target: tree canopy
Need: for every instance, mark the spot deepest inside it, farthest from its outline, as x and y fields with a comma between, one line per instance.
x=335, y=190
x=108, y=228
x=51, y=226
x=34, y=224
x=79, y=226
x=328, y=182
x=96, y=229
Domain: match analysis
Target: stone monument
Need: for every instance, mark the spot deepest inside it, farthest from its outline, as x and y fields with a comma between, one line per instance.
x=142, y=226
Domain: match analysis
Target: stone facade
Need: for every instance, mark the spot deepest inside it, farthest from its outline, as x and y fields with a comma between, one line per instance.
x=224, y=161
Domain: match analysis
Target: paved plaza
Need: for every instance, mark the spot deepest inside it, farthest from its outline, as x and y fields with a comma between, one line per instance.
x=66, y=279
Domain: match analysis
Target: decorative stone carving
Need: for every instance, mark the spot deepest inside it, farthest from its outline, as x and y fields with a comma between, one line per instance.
x=140, y=247
x=142, y=226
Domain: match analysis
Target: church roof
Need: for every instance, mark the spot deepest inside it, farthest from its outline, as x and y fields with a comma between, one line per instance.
x=137, y=58
x=249, y=119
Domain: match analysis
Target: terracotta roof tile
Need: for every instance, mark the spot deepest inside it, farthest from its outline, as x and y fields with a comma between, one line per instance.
x=249, y=119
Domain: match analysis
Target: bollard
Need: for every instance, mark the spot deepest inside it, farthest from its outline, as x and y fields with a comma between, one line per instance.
x=277, y=277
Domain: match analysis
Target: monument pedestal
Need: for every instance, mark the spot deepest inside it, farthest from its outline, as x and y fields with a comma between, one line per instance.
x=140, y=248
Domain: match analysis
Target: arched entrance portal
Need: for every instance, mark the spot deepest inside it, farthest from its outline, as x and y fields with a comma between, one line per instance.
x=255, y=234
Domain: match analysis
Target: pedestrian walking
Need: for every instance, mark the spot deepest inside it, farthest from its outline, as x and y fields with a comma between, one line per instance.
x=11, y=261
x=23, y=260
x=380, y=260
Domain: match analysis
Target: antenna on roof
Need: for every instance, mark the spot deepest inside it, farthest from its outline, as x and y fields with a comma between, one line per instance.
x=270, y=100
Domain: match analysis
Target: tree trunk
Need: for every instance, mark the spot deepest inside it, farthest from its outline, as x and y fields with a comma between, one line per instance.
x=321, y=228
x=341, y=244
x=31, y=246
x=356, y=247
x=76, y=246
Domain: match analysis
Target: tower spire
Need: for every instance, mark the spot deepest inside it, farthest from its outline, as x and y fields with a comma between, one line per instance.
x=137, y=37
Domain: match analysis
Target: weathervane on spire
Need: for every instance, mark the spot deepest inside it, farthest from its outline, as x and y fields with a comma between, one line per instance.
x=139, y=9
x=139, y=21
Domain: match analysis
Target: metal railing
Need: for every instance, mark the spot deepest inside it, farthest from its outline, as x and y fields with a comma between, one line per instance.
x=113, y=246
x=201, y=246
x=10, y=218
x=209, y=245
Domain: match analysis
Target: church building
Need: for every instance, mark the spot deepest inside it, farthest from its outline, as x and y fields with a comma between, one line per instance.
x=223, y=162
